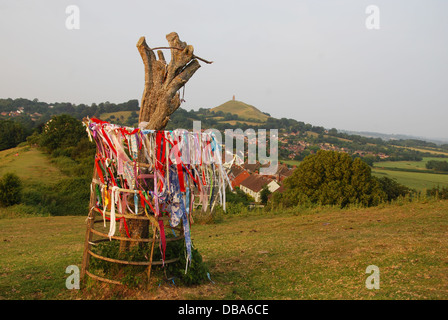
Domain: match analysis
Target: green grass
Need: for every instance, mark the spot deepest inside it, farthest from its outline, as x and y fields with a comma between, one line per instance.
x=290, y=162
x=411, y=165
x=234, y=122
x=323, y=255
x=415, y=180
x=35, y=253
x=31, y=165
x=300, y=254
x=429, y=150
x=118, y=115
x=308, y=254
x=417, y=176
x=35, y=171
x=46, y=189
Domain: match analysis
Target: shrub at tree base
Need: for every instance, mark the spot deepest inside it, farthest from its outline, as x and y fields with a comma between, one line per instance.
x=332, y=178
x=136, y=276
x=10, y=190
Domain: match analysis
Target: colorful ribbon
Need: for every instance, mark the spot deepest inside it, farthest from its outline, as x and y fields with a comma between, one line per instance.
x=180, y=167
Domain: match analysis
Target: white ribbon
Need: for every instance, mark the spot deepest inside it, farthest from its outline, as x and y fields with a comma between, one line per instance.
x=112, y=226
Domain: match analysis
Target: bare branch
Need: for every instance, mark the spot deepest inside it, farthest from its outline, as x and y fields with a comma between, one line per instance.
x=163, y=81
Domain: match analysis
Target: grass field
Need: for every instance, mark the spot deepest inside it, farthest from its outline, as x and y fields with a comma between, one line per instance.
x=36, y=173
x=314, y=254
x=35, y=253
x=122, y=115
x=429, y=150
x=234, y=122
x=416, y=180
x=30, y=164
x=412, y=165
x=311, y=254
x=291, y=162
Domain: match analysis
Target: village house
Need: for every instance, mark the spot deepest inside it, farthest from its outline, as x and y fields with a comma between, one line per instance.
x=251, y=167
x=254, y=184
x=282, y=172
x=237, y=175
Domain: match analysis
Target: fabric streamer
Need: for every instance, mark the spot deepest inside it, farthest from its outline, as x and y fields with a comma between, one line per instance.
x=179, y=169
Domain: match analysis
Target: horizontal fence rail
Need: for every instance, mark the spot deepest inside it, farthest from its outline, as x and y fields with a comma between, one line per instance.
x=105, y=237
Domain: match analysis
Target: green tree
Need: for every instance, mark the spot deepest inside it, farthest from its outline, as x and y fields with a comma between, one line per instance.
x=264, y=194
x=11, y=134
x=238, y=196
x=333, y=132
x=392, y=188
x=332, y=178
x=61, y=132
x=437, y=165
x=10, y=190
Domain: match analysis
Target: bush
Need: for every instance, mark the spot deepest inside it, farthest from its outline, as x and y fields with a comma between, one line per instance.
x=393, y=189
x=69, y=196
x=134, y=276
x=332, y=178
x=10, y=190
x=437, y=192
x=61, y=132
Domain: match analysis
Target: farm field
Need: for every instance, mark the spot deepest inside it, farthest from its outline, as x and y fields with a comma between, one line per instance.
x=313, y=254
x=412, y=165
x=414, y=180
x=290, y=162
x=430, y=150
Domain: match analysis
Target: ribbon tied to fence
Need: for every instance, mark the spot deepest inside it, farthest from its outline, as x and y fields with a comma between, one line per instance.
x=164, y=172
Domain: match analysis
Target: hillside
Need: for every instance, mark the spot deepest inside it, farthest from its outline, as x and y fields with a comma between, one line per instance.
x=39, y=177
x=313, y=254
x=30, y=164
x=243, y=110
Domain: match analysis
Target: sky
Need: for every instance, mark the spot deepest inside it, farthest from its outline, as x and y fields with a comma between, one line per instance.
x=313, y=61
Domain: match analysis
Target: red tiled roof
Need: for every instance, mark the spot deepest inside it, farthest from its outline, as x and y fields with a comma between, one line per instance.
x=283, y=170
x=255, y=182
x=251, y=167
x=240, y=178
x=236, y=170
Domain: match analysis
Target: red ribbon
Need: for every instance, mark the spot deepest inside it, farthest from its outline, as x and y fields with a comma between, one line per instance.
x=143, y=200
x=162, y=238
x=179, y=167
x=125, y=224
x=98, y=169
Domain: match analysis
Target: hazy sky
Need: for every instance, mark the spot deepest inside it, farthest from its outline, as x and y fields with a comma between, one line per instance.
x=314, y=61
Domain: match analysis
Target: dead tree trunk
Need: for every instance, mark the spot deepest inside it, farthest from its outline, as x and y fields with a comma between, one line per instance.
x=161, y=93
x=163, y=81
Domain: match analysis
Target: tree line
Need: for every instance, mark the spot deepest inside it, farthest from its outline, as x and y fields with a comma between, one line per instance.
x=436, y=165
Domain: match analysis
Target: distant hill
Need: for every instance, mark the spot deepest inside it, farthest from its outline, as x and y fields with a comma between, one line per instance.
x=387, y=137
x=243, y=110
